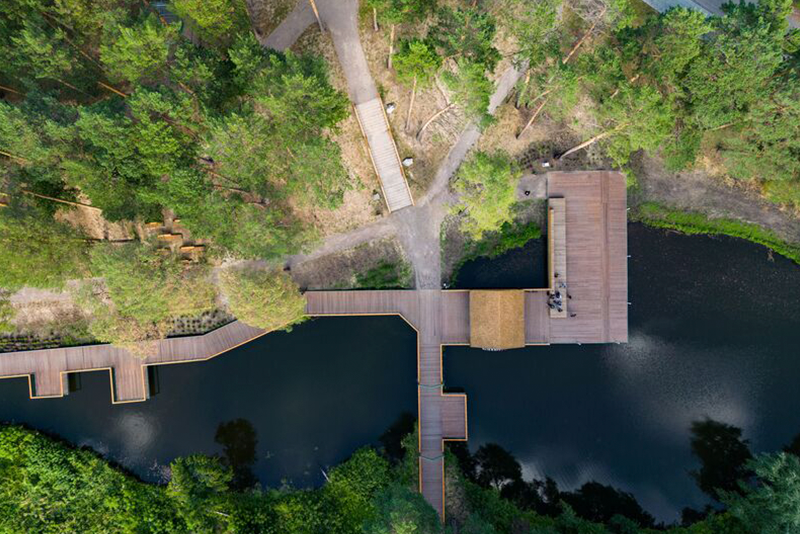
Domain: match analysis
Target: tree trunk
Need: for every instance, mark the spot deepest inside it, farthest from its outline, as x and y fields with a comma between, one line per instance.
x=12, y=156
x=391, y=47
x=375, y=19
x=106, y=86
x=53, y=199
x=582, y=39
x=10, y=90
x=589, y=142
x=533, y=117
x=433, y=118
x=411, y=104
x=316, y=14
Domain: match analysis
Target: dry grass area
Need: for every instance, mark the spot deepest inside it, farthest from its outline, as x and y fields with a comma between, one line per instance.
x=359, y=207
x=431, y=149
x=340, y=271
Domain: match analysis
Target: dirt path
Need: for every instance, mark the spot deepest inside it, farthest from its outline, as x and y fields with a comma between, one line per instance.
x=417, y=228
x=696, y=191
x=291, y=28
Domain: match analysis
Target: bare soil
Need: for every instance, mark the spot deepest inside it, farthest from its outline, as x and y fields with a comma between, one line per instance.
x=339, y=271
x=715, y=196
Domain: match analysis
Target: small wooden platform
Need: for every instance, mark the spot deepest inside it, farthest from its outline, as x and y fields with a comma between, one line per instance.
x=383, y=152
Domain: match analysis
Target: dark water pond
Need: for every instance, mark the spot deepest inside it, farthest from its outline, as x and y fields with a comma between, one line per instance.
x=714, y=332
x=313, y=396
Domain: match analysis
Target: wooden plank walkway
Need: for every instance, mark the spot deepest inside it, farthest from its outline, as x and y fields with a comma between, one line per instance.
x=597, y=249
x=595, y=265
x=385, y=158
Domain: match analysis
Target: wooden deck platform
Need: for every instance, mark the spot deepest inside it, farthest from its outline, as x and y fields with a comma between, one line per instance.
x=595, y=265
x=383, y=152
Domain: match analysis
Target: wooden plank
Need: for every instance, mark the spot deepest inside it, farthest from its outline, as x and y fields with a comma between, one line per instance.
x=537, y=319
x=383, y=153
x=454, y=416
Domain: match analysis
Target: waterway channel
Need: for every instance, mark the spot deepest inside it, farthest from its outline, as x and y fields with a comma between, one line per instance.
x=714, y=332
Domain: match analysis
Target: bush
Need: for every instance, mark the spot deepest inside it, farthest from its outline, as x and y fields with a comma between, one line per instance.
x=267, y=299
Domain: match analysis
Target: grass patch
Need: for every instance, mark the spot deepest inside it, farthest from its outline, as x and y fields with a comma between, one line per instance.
x=493, y=244
x=385, y=275
x=688, y=222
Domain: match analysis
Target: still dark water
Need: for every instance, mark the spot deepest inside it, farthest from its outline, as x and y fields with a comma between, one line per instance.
x=314, y=396
x=714, y=331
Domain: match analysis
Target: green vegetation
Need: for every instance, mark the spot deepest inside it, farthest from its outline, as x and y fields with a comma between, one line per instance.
x=654, y=214
x=216, y=20
x=487, y=183
x=385, y=275
x=675, y=83
x=6, y=313
x=141, y=292
x=48, y=486
x=263, y=298
x=35, y=250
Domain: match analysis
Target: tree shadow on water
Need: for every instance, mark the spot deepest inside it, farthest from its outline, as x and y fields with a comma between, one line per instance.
x=238, y=440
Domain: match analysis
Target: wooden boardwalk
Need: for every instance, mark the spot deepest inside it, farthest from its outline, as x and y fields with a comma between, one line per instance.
x=383, y=152
x=595, y=256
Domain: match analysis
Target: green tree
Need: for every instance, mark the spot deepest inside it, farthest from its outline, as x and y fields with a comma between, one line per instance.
x=486, y=184
x=198, y=486
x=47, y=486
x=772, y=504
x=215, y=20
x=398, y=12
x=402, y=511
x=417, y=63
x=351, y=489
x=471, y=90
x=736, y=65
x=138, y=52
x=535, y=27
x=636, y=118
x=468, y=33
x=267, y=299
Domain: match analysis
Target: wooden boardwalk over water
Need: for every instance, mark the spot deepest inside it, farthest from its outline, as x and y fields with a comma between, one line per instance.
x=595, y=268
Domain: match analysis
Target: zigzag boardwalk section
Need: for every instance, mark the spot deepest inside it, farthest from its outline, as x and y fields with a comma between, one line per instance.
x=383, y=152
x=591, y=252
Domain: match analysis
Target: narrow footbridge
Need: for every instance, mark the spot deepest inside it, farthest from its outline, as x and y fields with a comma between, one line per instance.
x=587, y=259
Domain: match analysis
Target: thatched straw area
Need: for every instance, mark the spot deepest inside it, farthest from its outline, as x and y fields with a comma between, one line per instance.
x=497, y=319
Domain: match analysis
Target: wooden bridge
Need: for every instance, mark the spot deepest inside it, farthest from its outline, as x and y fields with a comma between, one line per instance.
x=587, y=248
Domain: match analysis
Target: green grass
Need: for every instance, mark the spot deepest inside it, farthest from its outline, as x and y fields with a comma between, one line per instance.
x=385, y=275
x=493, y=244
x=688, y=222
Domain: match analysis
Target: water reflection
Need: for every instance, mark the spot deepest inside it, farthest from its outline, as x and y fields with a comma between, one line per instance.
x=238, y=441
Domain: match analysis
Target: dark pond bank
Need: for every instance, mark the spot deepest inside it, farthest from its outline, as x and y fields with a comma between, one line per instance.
x=313, y=396
x=714, y=332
